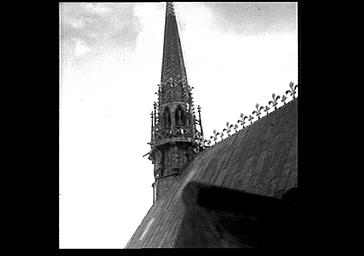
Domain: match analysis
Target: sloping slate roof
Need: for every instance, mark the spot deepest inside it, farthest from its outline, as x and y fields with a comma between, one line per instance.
x=244, y=221
x=260, y=159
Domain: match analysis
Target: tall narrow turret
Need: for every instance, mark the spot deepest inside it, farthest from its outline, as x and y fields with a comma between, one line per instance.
x=175, y=137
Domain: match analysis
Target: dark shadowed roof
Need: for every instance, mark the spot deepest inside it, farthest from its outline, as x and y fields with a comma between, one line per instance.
x=243, y=221
x=260, y=159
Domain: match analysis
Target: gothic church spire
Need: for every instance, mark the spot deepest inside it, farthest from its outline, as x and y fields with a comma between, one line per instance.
x=175, y=138
x=172, y=63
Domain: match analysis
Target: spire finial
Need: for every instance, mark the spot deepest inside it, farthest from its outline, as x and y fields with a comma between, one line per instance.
x=170, y=8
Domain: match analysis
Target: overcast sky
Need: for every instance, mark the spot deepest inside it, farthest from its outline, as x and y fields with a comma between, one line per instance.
x=236, y=55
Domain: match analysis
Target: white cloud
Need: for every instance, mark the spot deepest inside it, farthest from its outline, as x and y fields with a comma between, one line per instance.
x=76, y=23
x=80, y=47
x=99, y=8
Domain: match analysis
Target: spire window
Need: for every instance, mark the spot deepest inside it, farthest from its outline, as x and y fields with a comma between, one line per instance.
x=179, y=116
x=166, y=122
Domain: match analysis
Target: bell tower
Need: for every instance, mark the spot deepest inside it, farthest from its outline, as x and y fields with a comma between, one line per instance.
x=175, y=136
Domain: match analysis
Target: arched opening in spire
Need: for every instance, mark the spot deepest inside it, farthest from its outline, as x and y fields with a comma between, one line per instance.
x=179, y=116
x=166, y=120
x=188, y=120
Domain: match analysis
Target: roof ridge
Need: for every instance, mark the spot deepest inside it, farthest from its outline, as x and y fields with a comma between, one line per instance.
x=255, y=116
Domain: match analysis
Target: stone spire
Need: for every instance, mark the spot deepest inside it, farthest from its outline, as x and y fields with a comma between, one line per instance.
x=172, y=64
x=175, y=139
